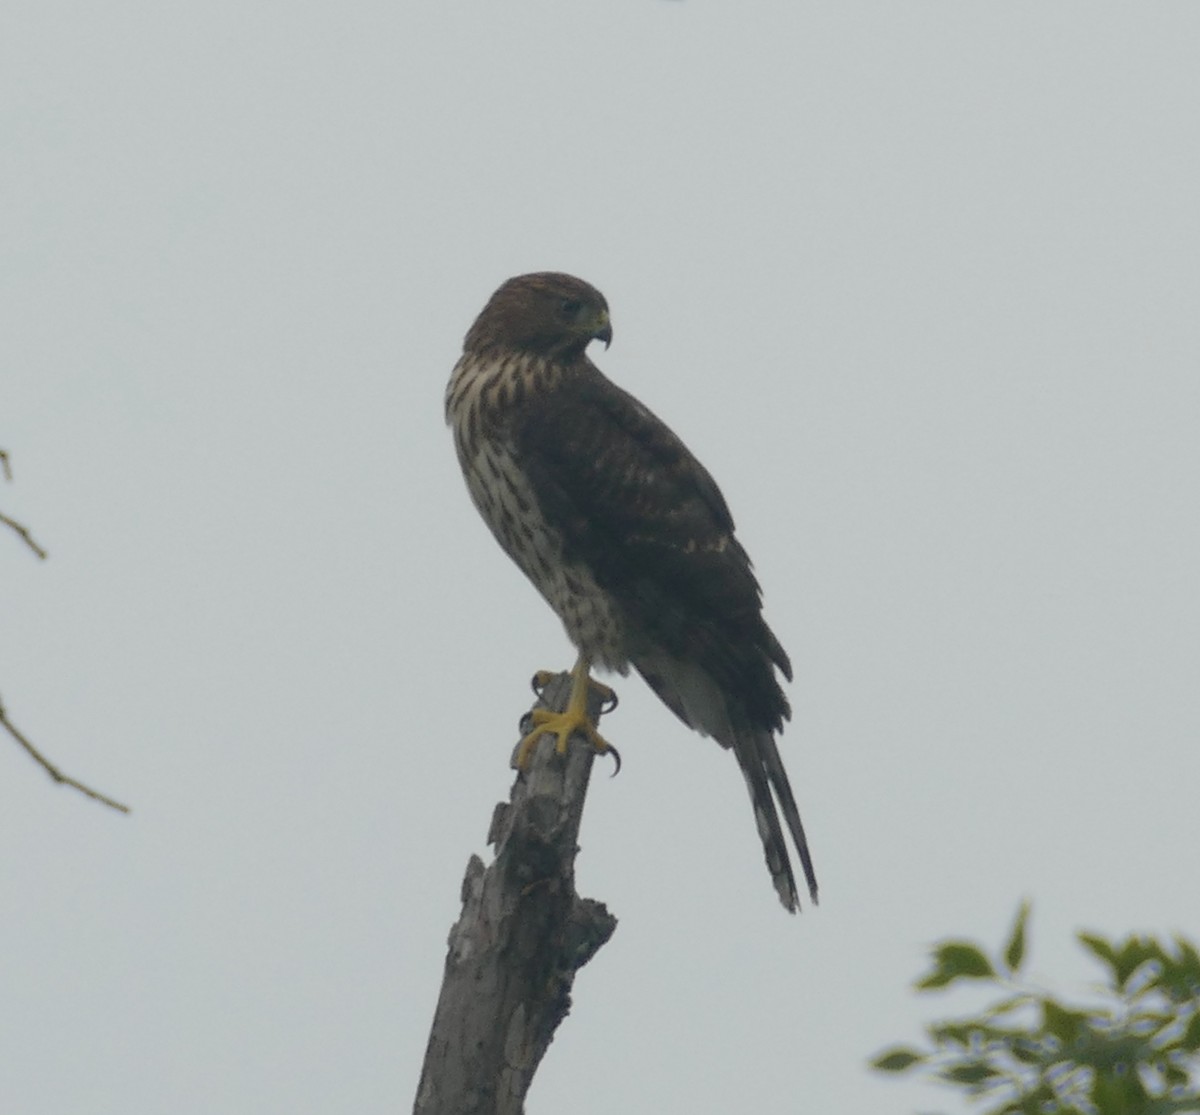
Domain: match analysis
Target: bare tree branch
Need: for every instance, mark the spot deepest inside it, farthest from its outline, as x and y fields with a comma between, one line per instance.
x=6, y=468
x=51, y=769
x=24, y=533
x=7, y=724
x=523, y=934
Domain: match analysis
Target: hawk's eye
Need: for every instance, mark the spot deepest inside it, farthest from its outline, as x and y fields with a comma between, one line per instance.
x=571, y=307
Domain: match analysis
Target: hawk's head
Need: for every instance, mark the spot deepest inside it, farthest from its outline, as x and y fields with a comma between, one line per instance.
x=547, y=314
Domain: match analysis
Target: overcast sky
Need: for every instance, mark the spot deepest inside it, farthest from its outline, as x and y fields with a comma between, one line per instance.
x=919, y=284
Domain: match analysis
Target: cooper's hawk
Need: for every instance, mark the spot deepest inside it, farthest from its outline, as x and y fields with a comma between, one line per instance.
x=624, y=533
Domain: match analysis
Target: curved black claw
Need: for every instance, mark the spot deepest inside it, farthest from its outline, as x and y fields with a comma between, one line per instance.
x=607, y=705
x=610, y=750
x=539, y=681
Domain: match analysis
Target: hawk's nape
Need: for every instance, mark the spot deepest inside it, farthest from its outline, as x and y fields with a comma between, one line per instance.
x=625, y=534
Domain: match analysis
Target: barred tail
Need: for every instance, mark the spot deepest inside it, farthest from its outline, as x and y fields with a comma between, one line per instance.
x=762, y=767
x=699, y=702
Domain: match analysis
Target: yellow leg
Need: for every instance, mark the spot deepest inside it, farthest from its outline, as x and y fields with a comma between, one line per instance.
x=608, y=697
x=565, y=724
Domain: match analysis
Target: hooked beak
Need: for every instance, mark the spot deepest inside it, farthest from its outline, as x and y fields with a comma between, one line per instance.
x=603, y=330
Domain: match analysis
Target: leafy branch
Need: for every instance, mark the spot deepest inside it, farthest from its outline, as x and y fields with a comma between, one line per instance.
x=1136, y=1052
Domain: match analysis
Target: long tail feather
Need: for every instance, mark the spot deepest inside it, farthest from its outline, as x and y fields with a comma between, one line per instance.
x=777, y=776
x=762, y=768
x=701, y=704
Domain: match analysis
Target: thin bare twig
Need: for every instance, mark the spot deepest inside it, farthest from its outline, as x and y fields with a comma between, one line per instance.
x=7, y=724
x=24, y=533
x=52, y=770
x=6, y=468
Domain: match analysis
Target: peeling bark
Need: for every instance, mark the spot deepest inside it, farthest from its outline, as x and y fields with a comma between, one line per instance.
x=523, y=934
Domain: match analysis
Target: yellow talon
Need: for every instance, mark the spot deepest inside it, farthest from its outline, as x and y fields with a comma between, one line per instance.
x=565, y=724
x=561, y=724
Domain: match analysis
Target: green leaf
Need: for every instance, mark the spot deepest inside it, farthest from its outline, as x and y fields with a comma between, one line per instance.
x=1130, y=957
x=1190, y=1039
x=1115, y=1052
x=1116, y=1093
x=1064, y=1024
x=1014, y=951
x=897, y=1060
x=952, y=1033
x=1180, y=975
x=1099, y=948
x=1162, y=1028
x=973, y=1072
x=1027, y=1103
x=1007, y=1005
x=1174, y=1076
x=954, y=960
x=1030, y=1051
x=1188, y=955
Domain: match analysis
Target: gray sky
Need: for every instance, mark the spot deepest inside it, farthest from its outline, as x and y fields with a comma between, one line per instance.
x=917, y=282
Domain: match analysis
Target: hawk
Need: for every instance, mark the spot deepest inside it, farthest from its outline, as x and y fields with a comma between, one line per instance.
x=625, y=534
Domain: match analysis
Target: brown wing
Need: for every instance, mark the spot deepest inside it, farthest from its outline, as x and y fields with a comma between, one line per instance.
x=637, y=508
x=648, y=520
